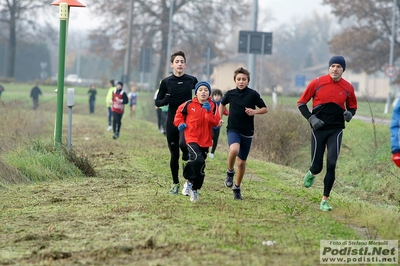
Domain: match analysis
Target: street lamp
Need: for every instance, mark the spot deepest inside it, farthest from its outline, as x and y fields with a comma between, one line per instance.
x=388, y=102
x=64, y=9
x=128, y=50
x=251, y=58
x=171, y=12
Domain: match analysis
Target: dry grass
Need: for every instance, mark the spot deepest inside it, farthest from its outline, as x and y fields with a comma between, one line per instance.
x=125, y=216
x=20, y=125
x=279, y=136
x=82, y=162
x=22, y=128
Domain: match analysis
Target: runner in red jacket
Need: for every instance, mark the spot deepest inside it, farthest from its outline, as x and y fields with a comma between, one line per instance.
x=118, y=101
x=196, y=118
x=333, y=103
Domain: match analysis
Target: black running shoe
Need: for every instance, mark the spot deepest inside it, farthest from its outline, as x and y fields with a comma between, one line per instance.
x=229, y=178
x=236, y=193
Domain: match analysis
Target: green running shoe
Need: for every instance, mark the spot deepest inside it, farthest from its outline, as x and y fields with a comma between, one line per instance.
x=325, y=206
x=309, y=179
x=174, y=189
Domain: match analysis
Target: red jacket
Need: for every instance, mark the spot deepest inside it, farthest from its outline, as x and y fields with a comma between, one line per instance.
x=199, y=122
x=119, y=98
x=329, y=100
x=325, y=90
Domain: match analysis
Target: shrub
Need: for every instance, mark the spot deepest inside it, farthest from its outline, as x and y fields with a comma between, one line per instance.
x=24, y=158
x=280, y=134
x=81, y=162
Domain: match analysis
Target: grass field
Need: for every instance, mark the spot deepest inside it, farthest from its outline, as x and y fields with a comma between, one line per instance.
x=51, y=214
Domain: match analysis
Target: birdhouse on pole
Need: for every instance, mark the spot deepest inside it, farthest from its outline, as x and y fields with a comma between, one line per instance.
x=69, y=3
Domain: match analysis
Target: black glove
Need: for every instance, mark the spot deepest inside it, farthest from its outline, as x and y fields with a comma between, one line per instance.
x=315, y=122
x=167, y=98
x=347, y=116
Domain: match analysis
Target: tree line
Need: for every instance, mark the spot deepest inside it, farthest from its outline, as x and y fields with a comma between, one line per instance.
x=360, y=30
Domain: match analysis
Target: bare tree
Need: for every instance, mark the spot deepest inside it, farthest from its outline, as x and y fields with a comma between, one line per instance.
x=196, y=24
x=304, y=43
x=366, y=39
x=20, y=16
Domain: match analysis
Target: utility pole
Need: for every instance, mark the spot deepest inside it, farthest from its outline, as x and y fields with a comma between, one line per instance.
x=208, y=63
x=128, y=51
x=389, y=101
x=171, y=13
x=78, y=61
x=251, y=60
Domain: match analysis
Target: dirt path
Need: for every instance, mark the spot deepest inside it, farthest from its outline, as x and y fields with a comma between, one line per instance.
x=382, y=121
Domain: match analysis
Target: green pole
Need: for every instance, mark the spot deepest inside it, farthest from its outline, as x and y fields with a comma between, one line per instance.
x=64, y=12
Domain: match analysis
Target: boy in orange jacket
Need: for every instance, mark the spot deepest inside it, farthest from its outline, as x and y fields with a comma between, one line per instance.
x=196, y=118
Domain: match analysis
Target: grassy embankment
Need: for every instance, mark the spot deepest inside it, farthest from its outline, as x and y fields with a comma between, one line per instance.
x=125, y=216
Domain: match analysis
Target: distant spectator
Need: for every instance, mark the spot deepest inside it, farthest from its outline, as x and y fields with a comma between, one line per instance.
x=164, y=116
x=1, y=90
x=216, y=97
x=158, y=112
x=35, y=92
x=132, y=96
x=111, y=89
x=92, y=98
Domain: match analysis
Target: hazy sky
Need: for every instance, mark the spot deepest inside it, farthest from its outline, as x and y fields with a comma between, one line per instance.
x=282, y=11
x=285, y=10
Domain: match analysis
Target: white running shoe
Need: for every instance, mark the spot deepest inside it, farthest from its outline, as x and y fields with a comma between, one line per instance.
x=194, y=195
x=187, y=187
x=211, y=155
x=109, y=128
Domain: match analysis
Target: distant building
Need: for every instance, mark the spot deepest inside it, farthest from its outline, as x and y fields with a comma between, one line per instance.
x=374, y=86
x=222, y=75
